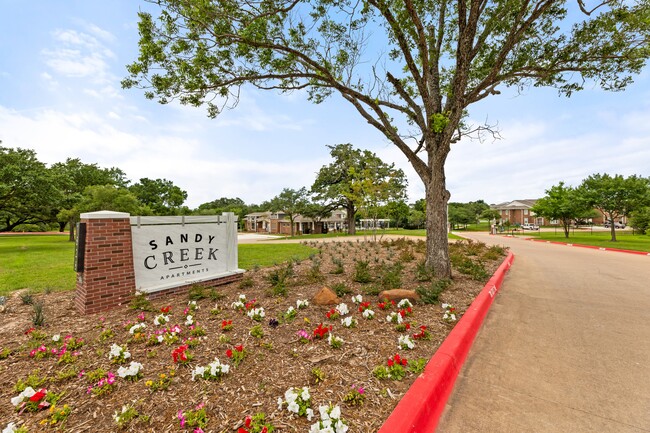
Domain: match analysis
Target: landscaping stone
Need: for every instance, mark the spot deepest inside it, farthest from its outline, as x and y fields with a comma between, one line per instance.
x=325, y=296
x=399, y=294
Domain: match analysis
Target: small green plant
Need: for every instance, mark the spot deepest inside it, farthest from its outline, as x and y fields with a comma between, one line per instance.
x=125, y=416
x=96, y=375
x=246, y=282
x=196, y=293
x=196, y=417
x=140, y=302
x=371, y=290
x=431, y=293
x=106, y=334
x=67, y=373
x=423, y=272
x=391, y=276
x=406, y=256
x=258, y=424
x=417, y=366
x=314, y=274
x=38, y=316
x=355, y=397
x=338, y=267
x=223, y=338
x=33, y=380
x=466, y=266
x=341, y=289
x=317, y=375
x=163, y=382
x=362, y=272
x=27, y=298
x=278, y=279
x=6, y=353
x=216, y=295
x=257, y=331
x=59, y=415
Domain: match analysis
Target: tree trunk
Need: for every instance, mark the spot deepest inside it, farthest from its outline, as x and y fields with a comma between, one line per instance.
x=613, y=230
x=352, y=230
x=436, y=211
x=73, y=225
x=565, y=227
x=61, y=226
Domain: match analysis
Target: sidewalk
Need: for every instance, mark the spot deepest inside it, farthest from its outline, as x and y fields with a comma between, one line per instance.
x=565, y=347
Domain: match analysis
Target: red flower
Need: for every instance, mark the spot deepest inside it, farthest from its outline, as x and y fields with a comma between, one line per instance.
x=264, y=430
x=239, y=348
x=229, y=355
x=179, y=354
x=39, y=395
x=321, y=331
x=29, y=331
x=226, y=323
x=242, y=430
x=166, y=309
x=407, y=326
x=390, y=362
x=248, y=421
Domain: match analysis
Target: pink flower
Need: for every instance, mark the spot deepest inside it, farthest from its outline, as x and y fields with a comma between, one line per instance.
x=181, y=418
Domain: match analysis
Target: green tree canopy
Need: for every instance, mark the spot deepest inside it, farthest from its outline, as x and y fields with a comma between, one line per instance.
x=109, y=197
x=159, y=195
x=357, y=179
x=562, y=203
x=615, y=196
x=421, y=63
x=28, y=192
x=291, y=202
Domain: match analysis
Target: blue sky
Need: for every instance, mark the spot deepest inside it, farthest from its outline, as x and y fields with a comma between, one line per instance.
x=61, y=63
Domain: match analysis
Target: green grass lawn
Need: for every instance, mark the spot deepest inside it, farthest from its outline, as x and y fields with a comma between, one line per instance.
x=46, y=262
x=624, y=240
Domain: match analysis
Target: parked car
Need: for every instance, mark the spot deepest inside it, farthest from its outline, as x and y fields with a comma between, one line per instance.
x=527, y=226
x=617, y=225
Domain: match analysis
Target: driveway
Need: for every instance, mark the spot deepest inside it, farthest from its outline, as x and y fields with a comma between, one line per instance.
x=565, y=347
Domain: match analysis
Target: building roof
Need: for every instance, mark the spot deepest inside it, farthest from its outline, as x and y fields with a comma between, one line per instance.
x=516, y=204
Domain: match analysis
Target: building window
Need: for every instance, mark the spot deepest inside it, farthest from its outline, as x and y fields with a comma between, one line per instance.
x=525, y=211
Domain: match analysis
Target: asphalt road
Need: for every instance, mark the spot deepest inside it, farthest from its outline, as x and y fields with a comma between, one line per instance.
x=564, y=348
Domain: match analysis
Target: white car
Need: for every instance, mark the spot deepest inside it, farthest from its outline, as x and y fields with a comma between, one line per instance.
x=527, y=226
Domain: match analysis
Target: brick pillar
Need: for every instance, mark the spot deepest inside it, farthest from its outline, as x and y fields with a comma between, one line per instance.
x=107, y=279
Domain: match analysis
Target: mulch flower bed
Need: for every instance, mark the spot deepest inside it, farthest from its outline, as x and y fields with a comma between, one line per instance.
x=253, y=356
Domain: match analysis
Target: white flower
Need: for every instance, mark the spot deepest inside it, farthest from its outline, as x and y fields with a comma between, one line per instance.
x=198, y=371
x=290, y=310
x=404, y=303
x=237, y=305
x=11, y=428
x=193, y=305
x=310, y=413
x=305, y=394
x=256, y=313
x=160, y=339
x=339, y=427
x=368, y=313
x=293, y=407
x=335, y=413
x=324, y=414
x=405, y=342
x=302, y=304
x=242, y=297
x=394, y=317
x=342, y=309
x=132, y=370
x=357, y=299
x=445, y=306
x=27, y=393
x=280, y=403
x=137, y=327
x=349, y=322
x=56, y=338
x=189, y=320
x=160, y=319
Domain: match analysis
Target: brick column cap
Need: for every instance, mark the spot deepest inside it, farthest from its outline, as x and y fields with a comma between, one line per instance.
x=104, y=214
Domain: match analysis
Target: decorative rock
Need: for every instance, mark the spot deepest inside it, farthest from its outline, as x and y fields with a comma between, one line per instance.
x=325, y=296
x=399, y=294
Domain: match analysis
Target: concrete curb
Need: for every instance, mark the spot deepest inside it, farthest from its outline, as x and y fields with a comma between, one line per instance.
x=615, y=250
x=420, y=409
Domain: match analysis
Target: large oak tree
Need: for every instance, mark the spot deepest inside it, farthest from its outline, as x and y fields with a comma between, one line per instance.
x=416, y=62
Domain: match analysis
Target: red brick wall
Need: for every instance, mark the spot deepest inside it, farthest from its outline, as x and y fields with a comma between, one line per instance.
x=108, y=279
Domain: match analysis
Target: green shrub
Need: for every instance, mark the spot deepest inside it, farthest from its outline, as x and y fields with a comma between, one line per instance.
x=423, y=272
x=279, y=277
x=338, y=266
x=38, y=316
x=27, y=298
x=341, y=289
x=196, y=293
x=362, y=272
x=430, y=294
x=391, y=276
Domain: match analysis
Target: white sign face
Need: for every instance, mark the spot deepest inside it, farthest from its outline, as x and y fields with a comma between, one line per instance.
x=167, y=256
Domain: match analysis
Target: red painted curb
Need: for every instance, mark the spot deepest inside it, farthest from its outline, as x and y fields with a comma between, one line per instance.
x=569, y=244
x=420, y=409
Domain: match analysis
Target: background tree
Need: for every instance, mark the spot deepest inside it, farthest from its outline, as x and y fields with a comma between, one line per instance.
x=615, y=196
x=437, y=58
x=341, y=183
x=109, y=197
x=640, y=220
x=462, y=214
x=291, y=202
x=399, y=212
x=316, y=211
x=73, y=177
x=490, y=214
x=28, y=192
x=159, y=195
x=561, y=203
